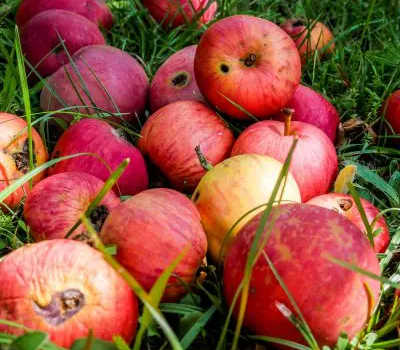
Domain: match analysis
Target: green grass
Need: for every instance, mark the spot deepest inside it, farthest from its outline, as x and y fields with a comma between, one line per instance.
x=357, y=78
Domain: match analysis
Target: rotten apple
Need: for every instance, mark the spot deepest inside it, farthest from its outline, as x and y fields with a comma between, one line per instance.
x=150, y=231
x=247, y=61
x=302, y=242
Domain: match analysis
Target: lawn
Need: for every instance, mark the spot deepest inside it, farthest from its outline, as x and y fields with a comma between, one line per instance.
x=357, y=78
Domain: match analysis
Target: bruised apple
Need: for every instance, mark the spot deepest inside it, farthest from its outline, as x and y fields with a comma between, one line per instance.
x=41, y=38
x=150, y=231
x=175, y=81
x=303, y=240
x=115, y=81
x=170, y=136
x=232, y=189
x=344, y=204
x=14, y=156
x=94, y=10
x=108, y=148
x=65, y=288
x=173, y=13
x=55, y=204
x=247, y=61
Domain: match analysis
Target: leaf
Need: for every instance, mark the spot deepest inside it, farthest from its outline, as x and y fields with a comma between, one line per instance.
x=346, y=175
x=342, y=342
x=395, y=181
x=30, y=341
x=188, y=320
x=97, y=344
x=280, y=341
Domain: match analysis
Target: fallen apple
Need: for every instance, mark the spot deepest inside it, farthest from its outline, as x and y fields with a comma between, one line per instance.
x=170, y=136
x=247, y=61
x=109, y=149
x=344, y=204
x=175, y=81
x=232, y=189
x=66, y=289
x=302, y=241
x=150, y=231
x=14, y=156
x=392, y=112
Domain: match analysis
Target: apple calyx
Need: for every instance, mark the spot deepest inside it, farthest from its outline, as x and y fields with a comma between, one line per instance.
x=203, y=160
x=250, y=60
x=288, y=113
x=180, y=80
x=21, y=158
x=345, y=204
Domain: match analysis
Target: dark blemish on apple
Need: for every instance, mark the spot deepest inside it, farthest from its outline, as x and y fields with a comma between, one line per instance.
x=181, y=80
x=21, y=158
x=345, y=204
x=298, y=23
x=62, y=307
x=224, y=68
x=98, y=217
x=250, y=60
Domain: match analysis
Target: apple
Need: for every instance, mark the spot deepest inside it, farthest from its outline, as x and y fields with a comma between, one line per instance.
x=345, y=205
x=301, y=240
x=55, y=204
x=248, y=61
x=309, y=37
x=311, y=107
x=106, y=143
x=173, y=13
x=94, y=10
x=14, y=156
x=314, y=164
x=150, y=231
x=41, y=43
x=175, y=81
x=232, y=189
x=115, y=80
x=392, y=111
x=65, y=288
x=170, y=136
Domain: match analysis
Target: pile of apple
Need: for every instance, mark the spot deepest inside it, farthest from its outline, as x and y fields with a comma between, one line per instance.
x=243, y=68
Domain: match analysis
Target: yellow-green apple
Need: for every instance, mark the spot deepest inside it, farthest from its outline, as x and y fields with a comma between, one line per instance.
x=344, y=204
x=232, y=189
x=65, y=288
x=392, y=111
x=170, y=136
x=41, y=39
x=56, y=203
x=302, y=242
x=109, y=148
x=14, y=156
x=175, y=81
x=150, y=231
x=247, y=61
x=314, y=164
x=309, y=37
x=115, y=81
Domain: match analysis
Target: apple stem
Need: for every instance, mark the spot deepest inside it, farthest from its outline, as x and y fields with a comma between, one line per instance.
x=288, y=113
x=203, y=160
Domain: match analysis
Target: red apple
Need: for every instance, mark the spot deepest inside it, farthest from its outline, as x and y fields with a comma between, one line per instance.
x=173, y=13
x=175, y=81
x=150, y=231
x=14, y=156
x=392, y=114
x=94, y=10
x=311, y=107
x=249, y=61
x=170, y=136
x=309, y=37
x=314, y=164
x=301, y=240
x=116, y=83
x=55, y=204
x=344, y=204
x=99, y=138
x=40, y=38
x=65, y=288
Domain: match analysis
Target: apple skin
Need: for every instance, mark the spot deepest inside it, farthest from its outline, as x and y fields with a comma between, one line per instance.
x=178, y=12
x=94, y=10
x=233, y=188
x=97, y=137
x=79, y=275
x=311, y=107
x=392, y=114
x=120, y=74
x=345, y=205
x=14, y=156
x=314, y=164
x=175, y=80
x=56, y=203
x=331, y=298
x=319, y=37
x=150, y=231
x=39, y=37
x=249, y=60
x=170, y=136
